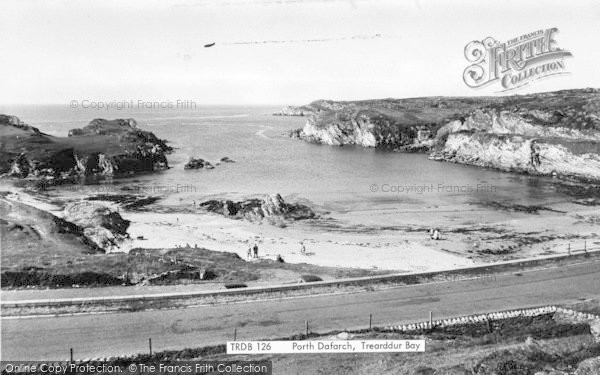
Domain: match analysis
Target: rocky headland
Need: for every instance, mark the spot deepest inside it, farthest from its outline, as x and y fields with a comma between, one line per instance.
x=306, y=110
x=555, y=134
x=102, y=148
x=523, y=142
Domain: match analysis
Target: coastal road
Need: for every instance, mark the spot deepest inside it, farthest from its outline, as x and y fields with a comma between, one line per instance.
x=100, y=335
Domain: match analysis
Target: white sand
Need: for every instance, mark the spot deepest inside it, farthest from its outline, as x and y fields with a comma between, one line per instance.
x=386, y=252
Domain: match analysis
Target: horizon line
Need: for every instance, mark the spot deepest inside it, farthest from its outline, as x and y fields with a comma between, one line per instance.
x=66, y=103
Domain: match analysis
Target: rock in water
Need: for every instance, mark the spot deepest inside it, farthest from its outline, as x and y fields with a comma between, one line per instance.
x=103, y=226
x=198, y=163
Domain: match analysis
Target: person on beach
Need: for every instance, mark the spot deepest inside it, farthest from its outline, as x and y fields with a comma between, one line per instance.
x=302, y=248
x=535, y=154
x=249, y=253
x=255, y=248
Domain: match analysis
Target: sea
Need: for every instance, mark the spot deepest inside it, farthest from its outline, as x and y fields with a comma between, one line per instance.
x=267, y=161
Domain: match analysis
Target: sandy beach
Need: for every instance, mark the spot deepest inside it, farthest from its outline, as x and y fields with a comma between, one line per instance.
x=386, y=251
x=358, y=239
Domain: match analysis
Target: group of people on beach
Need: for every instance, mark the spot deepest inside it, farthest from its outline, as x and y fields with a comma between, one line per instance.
x=435, y=234
x=253, y=251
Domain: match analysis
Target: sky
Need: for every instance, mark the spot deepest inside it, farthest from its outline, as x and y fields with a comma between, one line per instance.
x=56, y=51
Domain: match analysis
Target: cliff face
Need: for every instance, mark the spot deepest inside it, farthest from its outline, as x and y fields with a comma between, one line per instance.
x=365, y=129
x=107, y=148
x=512, y=142
x=556, y=133
x=398, y=124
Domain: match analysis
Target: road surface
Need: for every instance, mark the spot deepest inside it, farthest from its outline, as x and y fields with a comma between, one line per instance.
x=101, y=335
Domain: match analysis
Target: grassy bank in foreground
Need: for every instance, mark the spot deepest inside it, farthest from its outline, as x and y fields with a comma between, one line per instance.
x=26, y=268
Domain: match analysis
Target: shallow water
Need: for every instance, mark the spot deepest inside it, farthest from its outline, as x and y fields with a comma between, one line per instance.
x=267, y=161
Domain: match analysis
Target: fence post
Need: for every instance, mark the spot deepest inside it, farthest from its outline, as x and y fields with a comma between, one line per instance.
x=585, y=246
x=306, y=324
x=370, y=322
x=235, y=334
x=150, y=344
x=430, y=318
x=71, y=354
x=569, y=248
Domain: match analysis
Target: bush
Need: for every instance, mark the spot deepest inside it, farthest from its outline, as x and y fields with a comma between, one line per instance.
x=310, y=278
x=512, y=367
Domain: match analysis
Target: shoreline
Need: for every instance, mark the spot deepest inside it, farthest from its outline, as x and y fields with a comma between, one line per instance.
x=355, y=239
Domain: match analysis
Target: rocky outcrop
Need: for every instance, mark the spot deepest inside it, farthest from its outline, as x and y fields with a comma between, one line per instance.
x=512, y=141
x=365, y=129
x=198, y=163
x=256, y=209
x=226, y=159
x=17, y=123
x=293, y=111
x=312, y=108
x=127, y=201
x=555, y=133
x=104, y=227
x=26, y=226
x=125, y=130
x=395, y=124
x=102, y=148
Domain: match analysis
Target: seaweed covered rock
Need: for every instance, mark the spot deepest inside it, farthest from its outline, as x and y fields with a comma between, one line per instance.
x=271, y=206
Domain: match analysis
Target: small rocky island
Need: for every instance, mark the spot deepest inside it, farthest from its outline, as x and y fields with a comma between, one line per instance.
x=199, y=163
x=553, y=134
x=102, y=148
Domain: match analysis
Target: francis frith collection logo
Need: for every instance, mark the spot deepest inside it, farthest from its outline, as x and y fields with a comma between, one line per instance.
x=516, y=62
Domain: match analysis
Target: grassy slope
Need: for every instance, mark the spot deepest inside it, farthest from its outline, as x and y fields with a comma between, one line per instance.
x=40, y=145
x=50, y=268
x=579, y=108
x=115, y=139
x=38, y=249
